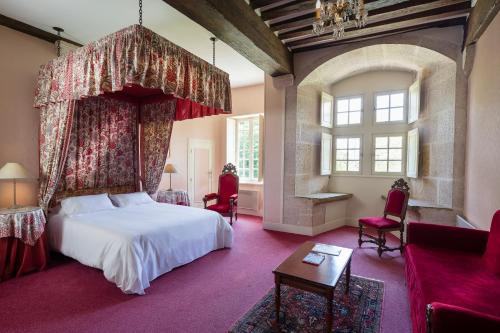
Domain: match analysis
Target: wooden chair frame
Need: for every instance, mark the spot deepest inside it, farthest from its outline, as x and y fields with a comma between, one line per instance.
x=380, y=240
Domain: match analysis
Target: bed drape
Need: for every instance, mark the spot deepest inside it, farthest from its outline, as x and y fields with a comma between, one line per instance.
x=89, y=98
x=102, y=147
x=157, y=119
x=55, y=129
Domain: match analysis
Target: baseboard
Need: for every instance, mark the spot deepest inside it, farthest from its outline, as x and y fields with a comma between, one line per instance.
x=252, y=212
x=330, y=225
x=304, y=230
x=290, y=228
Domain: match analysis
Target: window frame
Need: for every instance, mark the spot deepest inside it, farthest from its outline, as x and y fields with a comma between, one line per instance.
x=403, y=154
x=334, y=157
x=335, y=110
x=405, y=107
x=251, y=118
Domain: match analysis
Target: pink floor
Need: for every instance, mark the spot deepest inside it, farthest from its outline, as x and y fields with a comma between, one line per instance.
x=208, y=295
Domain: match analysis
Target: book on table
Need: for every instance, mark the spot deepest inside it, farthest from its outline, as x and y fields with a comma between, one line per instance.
x=326, y=249
x=313, y=258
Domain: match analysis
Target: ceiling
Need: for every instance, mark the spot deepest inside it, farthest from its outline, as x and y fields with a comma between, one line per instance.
x=291, y=20
x=89, y=20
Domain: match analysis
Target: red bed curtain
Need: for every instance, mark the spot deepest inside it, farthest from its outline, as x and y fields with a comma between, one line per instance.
x=95, y=149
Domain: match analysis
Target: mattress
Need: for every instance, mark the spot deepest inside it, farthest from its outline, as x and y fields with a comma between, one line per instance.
x=134, y=245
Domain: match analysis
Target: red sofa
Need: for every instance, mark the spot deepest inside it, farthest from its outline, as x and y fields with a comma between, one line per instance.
x=453, y=278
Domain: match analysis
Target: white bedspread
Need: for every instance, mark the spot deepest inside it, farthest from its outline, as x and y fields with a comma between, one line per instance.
x=134, y=245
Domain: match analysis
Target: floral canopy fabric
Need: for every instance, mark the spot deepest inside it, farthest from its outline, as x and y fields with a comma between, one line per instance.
x=107, y=111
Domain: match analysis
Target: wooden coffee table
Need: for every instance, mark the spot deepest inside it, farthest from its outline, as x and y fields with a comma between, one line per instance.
x=320, y=279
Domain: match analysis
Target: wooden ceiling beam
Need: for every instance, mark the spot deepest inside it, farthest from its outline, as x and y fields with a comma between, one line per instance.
x=425, y=8
x=306, y=7
x=481, y=16
x=448, y=23
x=381, y=29
x=268, y=4
x=236, y=24
x=33, y=31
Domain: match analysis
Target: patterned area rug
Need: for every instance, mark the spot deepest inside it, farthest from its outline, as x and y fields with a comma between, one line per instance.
x=304, y=312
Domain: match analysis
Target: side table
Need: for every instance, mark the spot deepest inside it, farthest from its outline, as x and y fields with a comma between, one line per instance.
x=23, y=243
x=175, y=197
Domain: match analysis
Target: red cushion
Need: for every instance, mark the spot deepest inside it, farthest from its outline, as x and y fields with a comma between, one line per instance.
x=228, y=185
x=219, y=208
x=395, y=203
x=492, y=254
x=453, y=277
x=379, y=222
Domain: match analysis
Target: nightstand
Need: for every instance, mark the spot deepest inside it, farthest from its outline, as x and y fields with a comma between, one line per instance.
x=23, y=243
x=175, y=197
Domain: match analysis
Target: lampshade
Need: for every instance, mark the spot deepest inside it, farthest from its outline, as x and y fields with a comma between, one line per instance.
x=13, y=170
x=169, y=168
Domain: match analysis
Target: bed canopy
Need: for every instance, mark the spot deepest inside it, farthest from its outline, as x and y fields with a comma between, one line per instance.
x=107, y=110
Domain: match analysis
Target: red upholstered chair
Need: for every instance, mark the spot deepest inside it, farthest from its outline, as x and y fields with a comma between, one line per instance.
x=227, y=197
x=395, y=206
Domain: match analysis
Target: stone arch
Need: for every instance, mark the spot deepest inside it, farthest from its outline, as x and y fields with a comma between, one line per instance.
x=433, y=53
x=446, y=42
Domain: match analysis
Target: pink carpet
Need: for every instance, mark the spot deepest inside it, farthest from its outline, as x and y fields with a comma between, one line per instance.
x=208, y=295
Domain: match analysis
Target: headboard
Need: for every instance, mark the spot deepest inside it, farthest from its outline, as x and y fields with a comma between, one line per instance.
x=59, y=196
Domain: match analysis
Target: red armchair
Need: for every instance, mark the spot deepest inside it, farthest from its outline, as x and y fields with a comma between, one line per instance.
x=395, y=205
x=227, y=196
x=453, y=278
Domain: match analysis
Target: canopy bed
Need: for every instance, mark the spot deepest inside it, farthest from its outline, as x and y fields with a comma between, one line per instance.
x=106, y=116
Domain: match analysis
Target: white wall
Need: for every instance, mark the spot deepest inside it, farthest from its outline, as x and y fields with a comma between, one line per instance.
x=482, y=185
x=367, y=188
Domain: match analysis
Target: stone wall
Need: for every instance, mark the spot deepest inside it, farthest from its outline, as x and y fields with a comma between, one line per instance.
x=301, y=135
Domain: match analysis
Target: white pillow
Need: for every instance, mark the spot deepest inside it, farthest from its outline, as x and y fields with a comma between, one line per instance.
x=86, y=204
x=131, y=199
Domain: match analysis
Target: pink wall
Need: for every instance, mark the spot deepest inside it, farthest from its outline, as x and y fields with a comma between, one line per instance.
x=20, y=59
x=246, y=100
x=482, y=184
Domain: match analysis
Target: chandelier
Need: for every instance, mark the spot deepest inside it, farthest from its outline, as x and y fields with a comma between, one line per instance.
x=336, y=15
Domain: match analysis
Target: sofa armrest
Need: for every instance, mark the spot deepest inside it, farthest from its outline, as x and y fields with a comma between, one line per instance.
x=442, y=318
x=454, y=238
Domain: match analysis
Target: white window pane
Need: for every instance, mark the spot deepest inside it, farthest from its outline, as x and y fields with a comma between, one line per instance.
x=354, y=117
x=341, y=166
x=341, y=154
x=354, y=143
x=354, y=154
x=382, y=115
x=342, y=118
x=381, y=142
x=395, y=141
x=396, y=154
x=341, y=143
x=382, y=101
x=397, y=114
x=342, y=105
x=380, y=166
x=355, y=104
x=353, y=166
x=395, y=166
x=381, y=154
x=397, y=99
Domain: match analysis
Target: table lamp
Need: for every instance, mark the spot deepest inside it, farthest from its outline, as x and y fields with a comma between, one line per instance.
x=170, y=169
x=13, y=171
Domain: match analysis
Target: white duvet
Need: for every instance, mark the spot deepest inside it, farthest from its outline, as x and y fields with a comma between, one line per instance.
x=136, y=244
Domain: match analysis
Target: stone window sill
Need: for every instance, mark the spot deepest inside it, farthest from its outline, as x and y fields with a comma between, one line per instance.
x=319, y=198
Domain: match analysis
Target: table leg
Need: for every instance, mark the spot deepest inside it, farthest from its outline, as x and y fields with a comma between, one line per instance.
x=277, y=299
x=329, y=310
x=348, y=277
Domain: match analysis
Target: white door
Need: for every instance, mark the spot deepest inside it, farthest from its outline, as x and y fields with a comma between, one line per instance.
x=200, y=166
